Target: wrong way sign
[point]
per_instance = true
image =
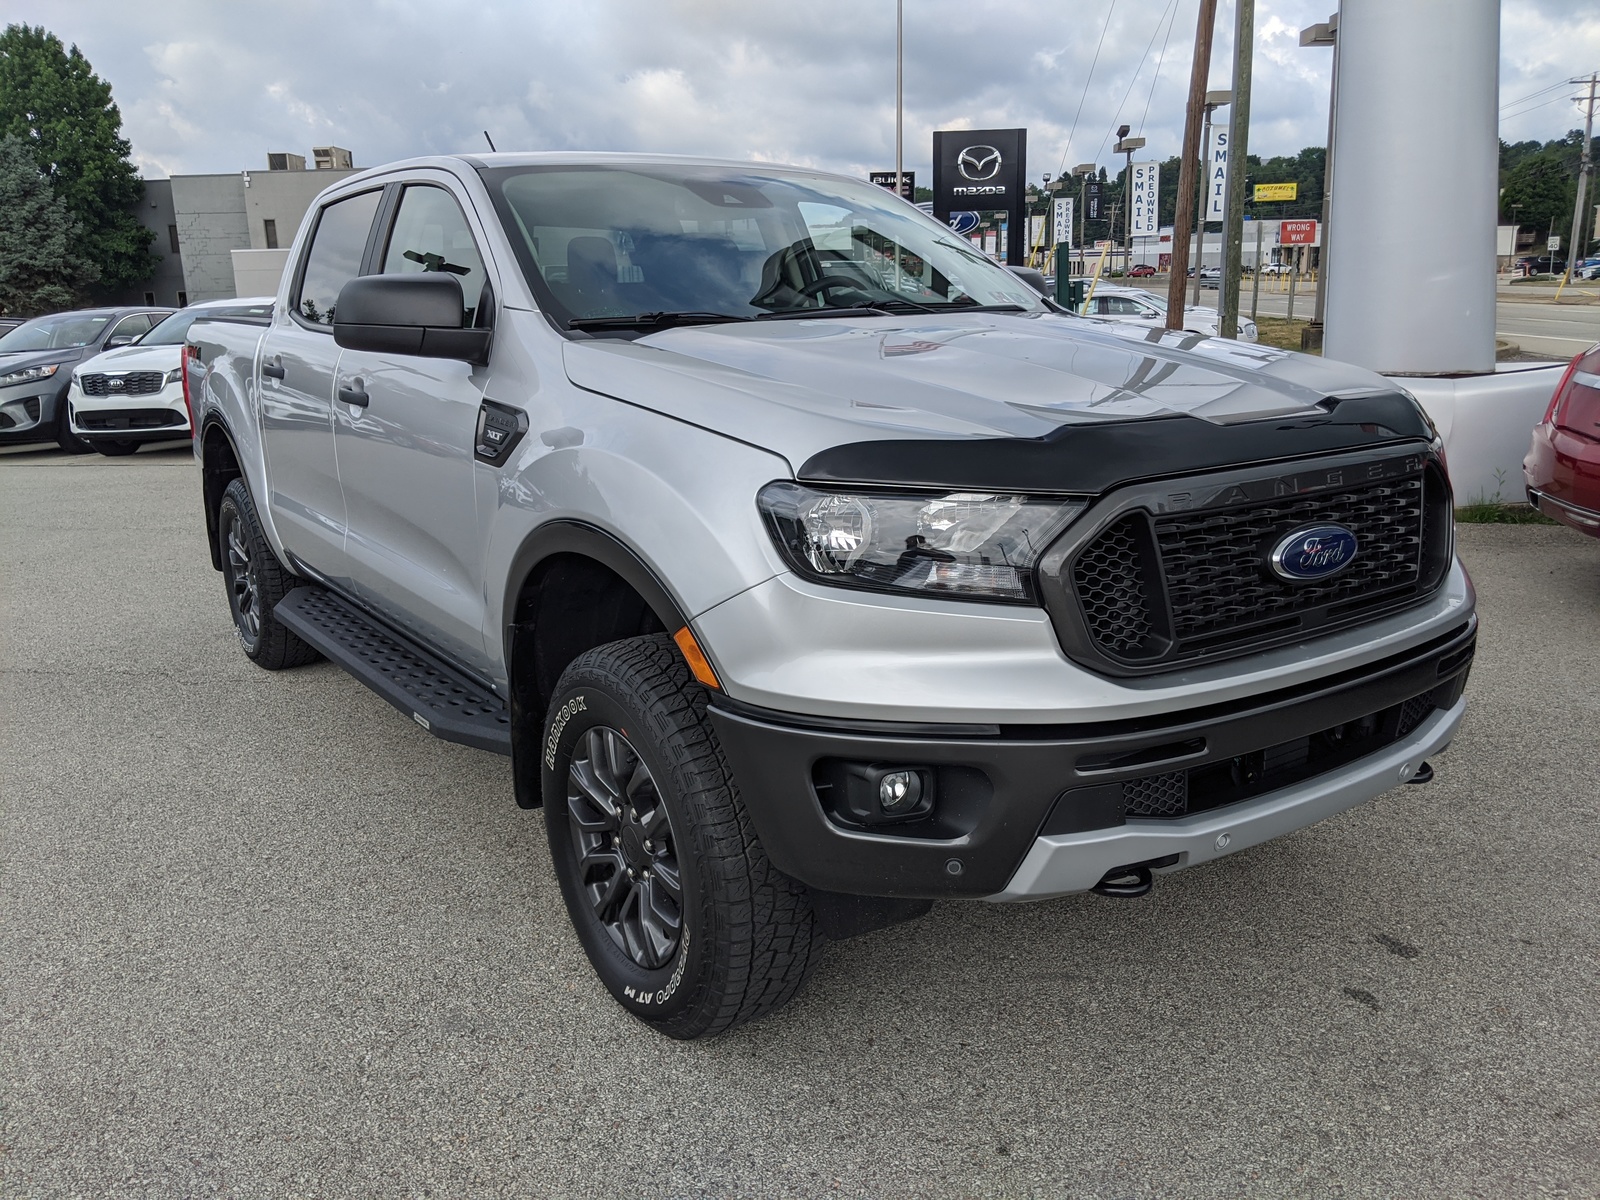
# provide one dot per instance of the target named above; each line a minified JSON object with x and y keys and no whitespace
{"x":1297,"y":233}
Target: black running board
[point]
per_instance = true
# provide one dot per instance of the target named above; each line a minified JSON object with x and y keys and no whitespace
{"x":433,"y":694}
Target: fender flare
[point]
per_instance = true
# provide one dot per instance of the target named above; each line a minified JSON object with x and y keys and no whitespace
{"x":214,"y":420}
{"x":527,"y":714}
{"x":590,"y":541}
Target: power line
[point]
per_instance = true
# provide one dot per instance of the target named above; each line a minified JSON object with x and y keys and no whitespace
{"x":1532,"y":95}
{"x":1067,"y":149}
{"x":1149,"y":46}
{"x":1160,"y":58}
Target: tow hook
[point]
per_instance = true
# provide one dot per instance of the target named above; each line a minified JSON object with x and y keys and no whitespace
{"x":1424,"y":774}
{"x":1133,"y":880}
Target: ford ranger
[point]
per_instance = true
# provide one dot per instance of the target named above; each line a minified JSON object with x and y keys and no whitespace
{"x":808,"y":566}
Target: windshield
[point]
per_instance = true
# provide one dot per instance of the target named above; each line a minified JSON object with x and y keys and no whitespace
{"x":734,"y":242}
{"x":61,"y":332}
{"x":175,"y":329}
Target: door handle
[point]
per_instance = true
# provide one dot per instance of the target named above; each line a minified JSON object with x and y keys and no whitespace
{"x":273,"y":368}
{"x":356,"y":395}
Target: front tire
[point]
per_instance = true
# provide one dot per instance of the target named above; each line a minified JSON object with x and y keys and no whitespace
{"x":685,"y":920}
{"x":256,"y":581}
{"x":69,"y":442}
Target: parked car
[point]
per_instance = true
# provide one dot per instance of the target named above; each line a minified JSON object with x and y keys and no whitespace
{"x":36,"y":361}
{"x":799,"y":602}
{"x":1277,"y":268}
{"x":1544,"y":264}
{"x":1141,"y":271}
{"x":1140,"y":307}
{"x":7,"y":324}
{"x":1562,"y":470}
{"x":124,"y":398}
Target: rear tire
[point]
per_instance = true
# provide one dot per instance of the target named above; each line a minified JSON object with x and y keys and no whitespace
{"x":256,"y":581}
{"x":685,"y":920}
{"x":117,"y":449}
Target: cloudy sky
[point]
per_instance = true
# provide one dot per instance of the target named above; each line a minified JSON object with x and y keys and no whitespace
{"x":210,"y":86}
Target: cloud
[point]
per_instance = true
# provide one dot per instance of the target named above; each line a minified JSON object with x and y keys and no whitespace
{"x":214,"y":87}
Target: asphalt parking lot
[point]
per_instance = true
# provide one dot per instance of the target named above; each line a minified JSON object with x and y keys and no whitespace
{"x":262,"y":936}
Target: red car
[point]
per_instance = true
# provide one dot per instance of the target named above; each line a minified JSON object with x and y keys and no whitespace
{"x":1563,"y":466}
{"x":1140,"y":270}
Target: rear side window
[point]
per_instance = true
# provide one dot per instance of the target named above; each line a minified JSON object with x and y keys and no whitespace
{"x":431,"y":235}
{"x":334,"y":256}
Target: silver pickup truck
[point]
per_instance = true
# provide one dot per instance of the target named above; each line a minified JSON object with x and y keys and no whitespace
{"x":809,"y":566}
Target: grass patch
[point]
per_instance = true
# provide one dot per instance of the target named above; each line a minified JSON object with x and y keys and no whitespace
{"x":1281,"y":332}
{"x":1490,"y":512}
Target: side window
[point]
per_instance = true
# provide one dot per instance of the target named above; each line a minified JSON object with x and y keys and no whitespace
{"x":431,"y":234}
{"x":334,"y":257}
{"x":129,"y":328}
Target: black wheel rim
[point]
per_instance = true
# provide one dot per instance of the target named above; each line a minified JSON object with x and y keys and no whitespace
{"x":243,"y":593}
{"x":622,"y":839}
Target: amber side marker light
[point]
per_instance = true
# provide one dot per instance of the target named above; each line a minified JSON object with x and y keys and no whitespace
{"x":699,"y":665}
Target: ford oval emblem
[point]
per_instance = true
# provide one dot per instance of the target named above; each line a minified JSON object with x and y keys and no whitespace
{"x":1312,"y":553}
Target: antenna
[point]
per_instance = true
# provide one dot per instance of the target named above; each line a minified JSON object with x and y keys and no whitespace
{"x":490,"y":140}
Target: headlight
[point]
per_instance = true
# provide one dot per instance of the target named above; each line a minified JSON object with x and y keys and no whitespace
{"x":173,"y":376}
{"x":29,"y":375}
{"x":977,"y":545}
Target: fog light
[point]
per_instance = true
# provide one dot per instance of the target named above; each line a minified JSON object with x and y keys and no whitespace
{"x":899,"y":790}
{"x":875,"y":793}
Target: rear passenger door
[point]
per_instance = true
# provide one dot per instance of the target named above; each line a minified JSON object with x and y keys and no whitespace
{"x":298,"y":358}
{"x":404,"y":428}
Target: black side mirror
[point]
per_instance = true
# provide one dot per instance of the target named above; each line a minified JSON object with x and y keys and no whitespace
{"x":408,"y":314}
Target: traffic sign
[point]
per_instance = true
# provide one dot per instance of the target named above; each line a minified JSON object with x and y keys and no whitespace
{"x":1553,"y":244}
{"x":1297,"y":233}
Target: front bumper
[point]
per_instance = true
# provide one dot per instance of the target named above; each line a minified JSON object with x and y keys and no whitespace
{"x":1026,"y":811}
{"x":28,"y":411}
{"x":158,"y":416}
{"x":1059,"y":864}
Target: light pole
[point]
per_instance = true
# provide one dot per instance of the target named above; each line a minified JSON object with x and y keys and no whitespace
{"x":1126,"y":146}
{"x":1214,"y":100}
{"x":899,"y":98}
{"x":1325,"y":36}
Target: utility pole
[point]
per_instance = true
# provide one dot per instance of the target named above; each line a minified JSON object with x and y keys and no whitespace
{"x":1199,"y":70}
{"x":1244,"y":34}
{"x":1580,"y":227}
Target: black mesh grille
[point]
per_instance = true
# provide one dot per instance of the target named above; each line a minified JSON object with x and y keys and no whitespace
{"x":1214,"y":562}
{"x":1414,"y":711}
{"x":128,"y":418}
{"x":1157,"y":795}
{"x":1163,"y":588}
{"x":134,"y":383}
{"x":1109,"y":580}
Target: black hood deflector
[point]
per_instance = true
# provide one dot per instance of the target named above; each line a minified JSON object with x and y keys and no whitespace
{"x":1093,"y":458}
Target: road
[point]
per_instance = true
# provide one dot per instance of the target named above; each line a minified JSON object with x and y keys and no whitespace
{"x":1535,"y":325}
{"x":264,"y":937}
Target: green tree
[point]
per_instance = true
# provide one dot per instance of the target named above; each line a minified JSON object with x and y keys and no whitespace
{"x":1541,"y":184}
{"x":62,"y":111}
{"x":40,"y":268}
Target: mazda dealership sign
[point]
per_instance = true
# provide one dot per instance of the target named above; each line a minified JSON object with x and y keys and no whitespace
{"x":981,"y":170}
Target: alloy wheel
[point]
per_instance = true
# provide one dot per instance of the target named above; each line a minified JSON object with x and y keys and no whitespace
{"x":622,"y":838}
{"x":243,"y":589}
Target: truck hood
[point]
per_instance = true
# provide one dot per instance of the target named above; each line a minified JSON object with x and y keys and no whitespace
{"x":134,"y":358}
{"x":798,"y":388}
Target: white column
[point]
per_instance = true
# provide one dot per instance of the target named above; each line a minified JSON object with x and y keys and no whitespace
{"x":1411,"y":270}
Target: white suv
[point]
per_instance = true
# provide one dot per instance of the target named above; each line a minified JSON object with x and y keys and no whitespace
{"x":126,"y":397}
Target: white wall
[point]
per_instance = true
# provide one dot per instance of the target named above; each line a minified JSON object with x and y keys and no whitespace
{"x":257,"y":272}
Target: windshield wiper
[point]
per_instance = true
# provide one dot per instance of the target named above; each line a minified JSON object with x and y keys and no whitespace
{"x":801,"y":314}
{"x":653,"y":320}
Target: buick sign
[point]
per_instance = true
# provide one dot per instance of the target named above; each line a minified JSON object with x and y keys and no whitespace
{"x":1313,"y":553}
